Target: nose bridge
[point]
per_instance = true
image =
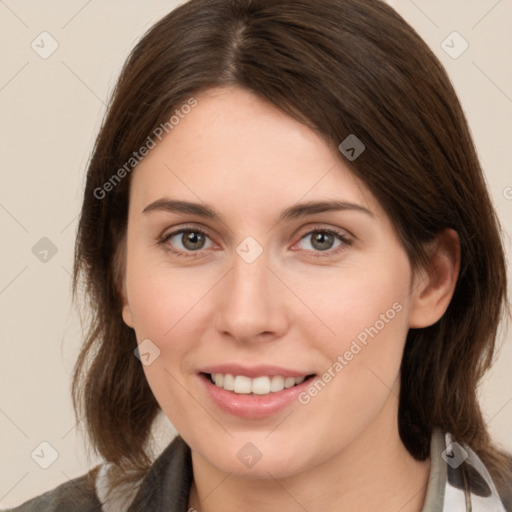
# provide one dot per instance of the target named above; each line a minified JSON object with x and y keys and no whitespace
{"x":248,"y":286}
{"x":251,"y":302}
{"x":249,"y":278}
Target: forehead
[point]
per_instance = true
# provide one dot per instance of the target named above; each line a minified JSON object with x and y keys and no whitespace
{"x":235,"y":150}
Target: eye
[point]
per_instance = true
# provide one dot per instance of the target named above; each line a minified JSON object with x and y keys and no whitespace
{"x":185,"y":241}
{"x":323,"y":240}
{"x":191,"y":241}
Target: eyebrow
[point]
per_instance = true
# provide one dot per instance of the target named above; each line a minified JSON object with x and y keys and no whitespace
{"x":294,"y":212}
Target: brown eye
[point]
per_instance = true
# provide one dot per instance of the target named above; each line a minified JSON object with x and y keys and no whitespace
{"x":192,"y":240}
{"x":186,"y":241}
{"x":324,"y":242}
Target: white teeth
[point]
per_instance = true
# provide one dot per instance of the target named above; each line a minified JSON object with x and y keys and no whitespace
{"x":259,"y":386}
{"x":229,"y":382}
{"x":289,"y":382}
{"x":277,"y":383}
{"x":242,"y":384}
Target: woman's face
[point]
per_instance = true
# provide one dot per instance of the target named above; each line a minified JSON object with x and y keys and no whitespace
{"x":264,"y":289}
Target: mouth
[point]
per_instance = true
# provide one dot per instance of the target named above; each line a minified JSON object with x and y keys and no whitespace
{"x":253,"y":398}
{"x":263,"y":385}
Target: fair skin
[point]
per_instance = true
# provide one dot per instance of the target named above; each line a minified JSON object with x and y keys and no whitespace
{"x":249,"y":161}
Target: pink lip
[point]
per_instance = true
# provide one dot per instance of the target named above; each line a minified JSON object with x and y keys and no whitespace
{"x":254,"y":371}
{"x":252,"y":406}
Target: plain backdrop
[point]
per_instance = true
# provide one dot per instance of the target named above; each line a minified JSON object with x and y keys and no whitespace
{"x":51,"y":110}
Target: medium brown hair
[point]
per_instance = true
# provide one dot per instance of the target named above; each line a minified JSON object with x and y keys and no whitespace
{"x":341,"y":67}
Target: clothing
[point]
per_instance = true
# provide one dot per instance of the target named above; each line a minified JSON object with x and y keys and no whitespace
{"x":456,"y":484}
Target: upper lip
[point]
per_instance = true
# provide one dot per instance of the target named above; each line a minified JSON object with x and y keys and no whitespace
{"x":254,"y":371}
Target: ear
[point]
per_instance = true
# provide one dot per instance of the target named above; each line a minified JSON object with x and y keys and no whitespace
{"x":127,"y":312}
{"x":433,"y":286}
{"x":119,"y":266}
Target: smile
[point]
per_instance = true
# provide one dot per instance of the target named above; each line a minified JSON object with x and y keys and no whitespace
{"x":253,"y":398}
{"x":264,"y":385}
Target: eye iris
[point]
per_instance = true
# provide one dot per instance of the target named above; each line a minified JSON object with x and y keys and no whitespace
{"x":320,"y":238}
{"x":191,"y":240}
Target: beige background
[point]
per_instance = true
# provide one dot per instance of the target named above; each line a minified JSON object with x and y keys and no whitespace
{"x":51,"y":111}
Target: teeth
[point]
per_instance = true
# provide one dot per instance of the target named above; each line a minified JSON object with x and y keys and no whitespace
{"x":259,"y":386}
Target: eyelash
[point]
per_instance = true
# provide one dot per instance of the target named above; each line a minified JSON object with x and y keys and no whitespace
{"x":316,"y":254}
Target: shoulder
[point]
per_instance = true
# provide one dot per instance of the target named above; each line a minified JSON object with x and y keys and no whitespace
{"x":166,"y":484}
{"x":77,"y":494}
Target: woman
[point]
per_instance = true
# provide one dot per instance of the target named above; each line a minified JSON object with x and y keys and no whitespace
{"x":289,"y":249}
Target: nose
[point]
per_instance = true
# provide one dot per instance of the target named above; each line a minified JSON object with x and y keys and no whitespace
{"x":252,"y":302}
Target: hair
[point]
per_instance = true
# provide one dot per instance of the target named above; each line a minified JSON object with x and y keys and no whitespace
{"x":340,"y":67}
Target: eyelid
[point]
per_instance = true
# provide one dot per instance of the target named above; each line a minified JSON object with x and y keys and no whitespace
{"x":167,"y":233}
{"x":342,"y":233}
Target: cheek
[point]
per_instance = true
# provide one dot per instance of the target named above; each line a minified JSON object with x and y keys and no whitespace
{"x":164,"y":306}
{"x":364,"y":304}
{"x":368,"y":313}
{"x":161,"y":298}
{"x":168,"y":308}
{"x":367,"y":310}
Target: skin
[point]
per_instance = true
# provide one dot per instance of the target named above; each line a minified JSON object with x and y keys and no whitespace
{"x":249,"y":161}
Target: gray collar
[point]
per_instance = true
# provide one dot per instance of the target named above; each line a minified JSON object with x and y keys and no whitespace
{"x":458,"y":481}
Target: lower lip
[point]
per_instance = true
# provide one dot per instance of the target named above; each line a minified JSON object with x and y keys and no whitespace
{"x":250,"y":406}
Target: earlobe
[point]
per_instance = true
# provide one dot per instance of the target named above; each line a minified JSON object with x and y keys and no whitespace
{"x":120,"y":280}
{"x":434,"y":286}
{"x":127,"y":315}
{"x":127,"y":311}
